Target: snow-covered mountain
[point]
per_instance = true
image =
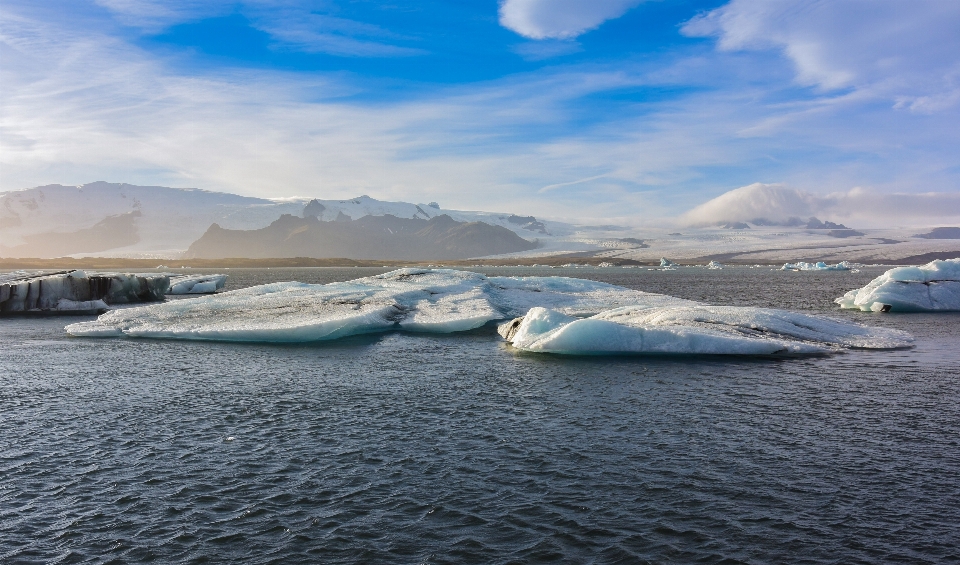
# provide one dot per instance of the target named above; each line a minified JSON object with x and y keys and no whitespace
{"x":130,"y":220}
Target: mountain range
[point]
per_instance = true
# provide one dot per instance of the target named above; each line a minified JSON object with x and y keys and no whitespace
{"x":369,"y":237}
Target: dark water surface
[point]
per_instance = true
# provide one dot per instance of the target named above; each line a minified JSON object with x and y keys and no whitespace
{"x":405,"y":448}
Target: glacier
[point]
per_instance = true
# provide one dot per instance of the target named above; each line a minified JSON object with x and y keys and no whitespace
{"x":550,"y":314}
{"x":196,"y":284}
{"x":818,"y":266}
{"x":63,"y":291}
{"x":934,"y":287}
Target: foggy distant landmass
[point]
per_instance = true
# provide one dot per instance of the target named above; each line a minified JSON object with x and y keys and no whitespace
{"x":369,"y":237}
{"x":941,"y":233}
{"x":129,"y":220}
{"x":109,"y":233}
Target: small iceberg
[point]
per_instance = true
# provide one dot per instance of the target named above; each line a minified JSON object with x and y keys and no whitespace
{"x":692,"y":330}
{"x":196,"y":284}
{"x":934,"y":287}
{"x":666,"y":263}
{"x":819,"y":266}
{"x":550,"y":314}
{"x":714,"y":265}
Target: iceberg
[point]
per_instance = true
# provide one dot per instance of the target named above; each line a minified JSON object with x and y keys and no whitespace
{"x":934,"y":287}
{"x":196,"y":284}
{"x":693,"y":330}
{"x":552,"y":314}
{"x":818,"y":266}
{"x":76,"y":290}
{"x":666,"y":263}
{"x":423,"y":300}
{"x":714,"y":265}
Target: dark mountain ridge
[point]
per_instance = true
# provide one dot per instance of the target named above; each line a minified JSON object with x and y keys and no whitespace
{"x":369,"y":237}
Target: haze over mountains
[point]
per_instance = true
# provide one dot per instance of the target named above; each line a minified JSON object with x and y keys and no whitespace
{"x":369,"y":237}
{"x":122,"y":220}
{"x":135,"y":221}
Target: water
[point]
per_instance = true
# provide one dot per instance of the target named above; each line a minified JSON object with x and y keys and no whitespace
{"x":406,"y":448}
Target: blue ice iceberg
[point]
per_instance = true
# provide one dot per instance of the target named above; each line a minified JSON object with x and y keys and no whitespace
{"x":934,"y":287}
{"x":554,"y":314}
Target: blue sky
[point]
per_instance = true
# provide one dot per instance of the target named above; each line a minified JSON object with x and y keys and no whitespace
{"x":609,"y":109}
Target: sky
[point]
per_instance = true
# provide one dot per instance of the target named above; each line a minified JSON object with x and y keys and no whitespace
{"x":622,"y":110}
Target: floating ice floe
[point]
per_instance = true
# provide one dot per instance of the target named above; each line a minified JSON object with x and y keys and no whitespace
{"x":929,"y":288}
{"x":714,"y":265}
{"x":697,"y":329}
{"x":77,"y":291}
{"x":819,"y":266}
{"x":667,"y":263}
{"x":196,"y":284}
{"x":559,"y":315}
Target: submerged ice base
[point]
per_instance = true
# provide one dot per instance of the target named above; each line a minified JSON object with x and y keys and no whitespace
{"x":934,"y":287}
{"x":560,"y":315}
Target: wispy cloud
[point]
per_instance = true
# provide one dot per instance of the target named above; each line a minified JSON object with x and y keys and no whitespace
{"x":897,"y":50}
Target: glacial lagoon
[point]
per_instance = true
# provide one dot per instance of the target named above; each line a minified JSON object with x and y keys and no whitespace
{"x":404,"y":447}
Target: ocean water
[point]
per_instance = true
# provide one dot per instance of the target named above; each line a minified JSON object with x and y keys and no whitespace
{"x":406,"y":448}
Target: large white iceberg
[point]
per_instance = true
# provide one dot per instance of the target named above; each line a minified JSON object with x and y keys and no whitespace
{"x":931,"y":287}
{"x":196,"y":284}
{"x":818,"y":266}
{"x":432,"y":300}
{"x":698,"y":329}
{"x":441,"y":300}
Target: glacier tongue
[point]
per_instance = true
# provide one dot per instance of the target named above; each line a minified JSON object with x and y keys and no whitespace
{"x":930,"y":288}
{"x":560,"y":315}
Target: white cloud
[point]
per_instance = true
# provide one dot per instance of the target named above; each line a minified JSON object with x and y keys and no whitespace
{"x":778,"y":204}
{"x":903,"y":51}
{"x":559,"y":19}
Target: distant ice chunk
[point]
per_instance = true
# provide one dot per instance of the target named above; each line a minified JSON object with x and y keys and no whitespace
{"x":422,"y":300}
{"x":692,"y":330}
{"x":196,"y":284}
{"x":714,"y":265}
{"x":934,"y":287}
{"x":818,"y":266}
{"x":664,"y":262}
